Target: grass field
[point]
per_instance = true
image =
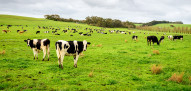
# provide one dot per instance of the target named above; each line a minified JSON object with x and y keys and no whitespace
{"x":114,"y":65}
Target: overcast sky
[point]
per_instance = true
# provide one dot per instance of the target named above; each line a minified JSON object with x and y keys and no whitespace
{"x":131,"y":10}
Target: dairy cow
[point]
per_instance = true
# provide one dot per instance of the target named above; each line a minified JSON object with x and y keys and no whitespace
{"x":39,"y":44}
{"x":70,"y":48}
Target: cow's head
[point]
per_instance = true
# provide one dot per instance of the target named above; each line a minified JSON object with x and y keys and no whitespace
{"x":85,"y":43}
{"x":27,"y":41}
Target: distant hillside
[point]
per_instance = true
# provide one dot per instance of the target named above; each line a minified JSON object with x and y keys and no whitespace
{"x":21,"y":20}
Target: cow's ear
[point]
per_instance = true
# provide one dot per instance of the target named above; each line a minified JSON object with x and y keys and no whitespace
{"x":25,"y":40}
{"x":88,"y":43}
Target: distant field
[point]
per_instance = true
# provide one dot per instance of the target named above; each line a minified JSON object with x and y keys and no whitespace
{"x":176,"y":25}
{"x":115,"y":60}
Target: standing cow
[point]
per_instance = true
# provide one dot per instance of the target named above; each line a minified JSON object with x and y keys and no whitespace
{"x":70,"y":47}
{"x":153,"y":39}
{"x":38,"y":44}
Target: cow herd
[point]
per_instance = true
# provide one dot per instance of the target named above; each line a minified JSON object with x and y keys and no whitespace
{"x":74,"y":48}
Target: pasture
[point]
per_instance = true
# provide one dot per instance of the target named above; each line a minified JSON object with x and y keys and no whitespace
{"x":111,"y":62}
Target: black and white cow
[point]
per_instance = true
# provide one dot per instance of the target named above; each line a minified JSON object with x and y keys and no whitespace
{"x":70,"y":48}
{"x":37,"y":32}
{"x":134,"y":37}
{"x":161,"y":38}
{"x":152,"y":39}
{"x":170,"y":37}
{"x":39,"y":44}
{"x":178,"y":37}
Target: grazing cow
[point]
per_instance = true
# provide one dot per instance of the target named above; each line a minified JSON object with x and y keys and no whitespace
{"x":64,"y":31}
{"x":70,"y":47}
{"x":170,"y":37}
{"x":38,"y":44}
{"x":18,"y":31}
{"x":46,"y":31}
{"x":134,"y":37}
{"x":152,"y":39}
{"x":37,"y":32}
{"x":4,"y":31}
{"x":57,"y":34}
{"x":80,"y":33}
{"x":161,"y":39}
{"x":178,"y":37}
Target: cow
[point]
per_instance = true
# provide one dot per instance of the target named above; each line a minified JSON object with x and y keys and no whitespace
{"x":4,"y":31}
{"x":21,"y":32}
{"x":161,"y":39}
{"x":70,"y":48}
{"x":152,"y":39}
{"x":80,"y":33}
{"x":134,"y":37}
{"x":37,"y":32}
{"x":170,"y":37}
{"x":18,"y":31}
{"x":178,"y":37}
{"x":39,"y":44}
{"x":64,"y":31}
{"x":46,"y":31}
{"x":57,"y":34}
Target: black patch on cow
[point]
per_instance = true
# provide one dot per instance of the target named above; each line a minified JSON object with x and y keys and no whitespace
{"x":80,"y":46}
{"x":59,"y":45}
{"x":38,"y":44}
{"x":71,"y":49}
{"x":46,"y":42}
{"x":88,"y":43}
{"x":65,"y":46}
{"x":31,"y":44}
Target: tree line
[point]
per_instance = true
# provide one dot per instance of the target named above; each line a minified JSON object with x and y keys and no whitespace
{"x":160,"y":22}
{"x":95,"y":21}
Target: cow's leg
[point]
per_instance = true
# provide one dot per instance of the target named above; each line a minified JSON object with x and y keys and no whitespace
{"x":48,"y":51}
{"x":59,"y":58}
{"x":44,"y":52}
{"x":62,"y":58}
{"x":75,"y":60}
{"x":35,"y":53}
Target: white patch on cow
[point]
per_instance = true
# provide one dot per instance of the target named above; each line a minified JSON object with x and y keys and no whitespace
{"x":35,"y":52}
{"x":170,"y":37}
{"x":35,"y":41}
{"x":75,"y":45}
{"x":28,"y":42}
{"x":85,"y":45}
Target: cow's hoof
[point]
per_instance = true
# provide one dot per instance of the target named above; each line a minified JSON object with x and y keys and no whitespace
{"x":75,"y":66}
{"x":42,"y":59}
{"x":48,"y":59}
{"x":61,"y":67}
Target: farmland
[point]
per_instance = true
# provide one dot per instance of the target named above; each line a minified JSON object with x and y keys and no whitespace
{"x":111,"y":62}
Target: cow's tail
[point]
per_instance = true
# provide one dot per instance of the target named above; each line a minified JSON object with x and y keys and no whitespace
{"x":58,"y":49}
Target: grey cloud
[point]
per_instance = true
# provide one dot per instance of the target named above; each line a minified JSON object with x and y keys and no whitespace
{"x":131,"y":10}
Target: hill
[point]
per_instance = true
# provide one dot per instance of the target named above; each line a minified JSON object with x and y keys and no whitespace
{"x":113,"y":61}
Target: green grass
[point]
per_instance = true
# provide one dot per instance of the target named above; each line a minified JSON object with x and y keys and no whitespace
{"x":116,"y":65}
{"x":175,"y":25}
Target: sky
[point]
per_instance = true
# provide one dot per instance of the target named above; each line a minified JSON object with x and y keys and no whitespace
{"x":125,"y":10}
